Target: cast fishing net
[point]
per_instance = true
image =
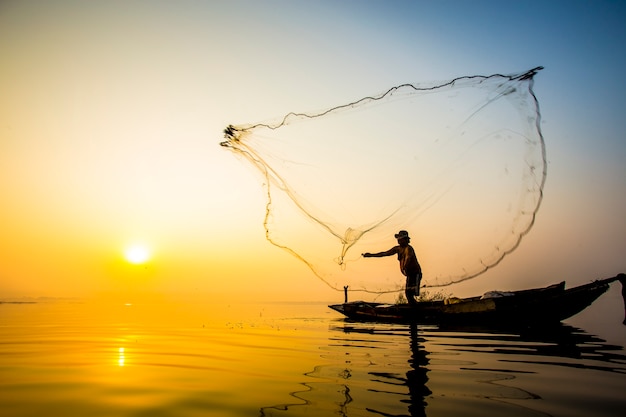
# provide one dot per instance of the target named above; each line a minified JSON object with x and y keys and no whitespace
{"x":459,"y":164}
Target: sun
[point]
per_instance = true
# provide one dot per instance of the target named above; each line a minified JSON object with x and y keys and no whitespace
{"x":137,"y":254}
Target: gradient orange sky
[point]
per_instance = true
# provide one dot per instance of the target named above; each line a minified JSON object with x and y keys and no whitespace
{"x":111,"y":114}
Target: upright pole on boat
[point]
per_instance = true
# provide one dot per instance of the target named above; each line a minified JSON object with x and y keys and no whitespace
{"x":345,"y":294}
{"x":622,"y":280}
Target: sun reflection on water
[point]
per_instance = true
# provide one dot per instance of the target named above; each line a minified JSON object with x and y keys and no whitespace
{"x":121,"y":360}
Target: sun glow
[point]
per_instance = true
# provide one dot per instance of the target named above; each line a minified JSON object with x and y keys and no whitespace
{"x":137,"y":254}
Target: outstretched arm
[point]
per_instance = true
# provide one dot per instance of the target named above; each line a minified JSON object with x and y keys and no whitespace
{"x":389,"y":252}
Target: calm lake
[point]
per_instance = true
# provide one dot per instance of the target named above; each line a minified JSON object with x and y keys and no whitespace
{"x":84,"y":358}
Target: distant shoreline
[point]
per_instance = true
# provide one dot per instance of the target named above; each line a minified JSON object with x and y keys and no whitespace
{"x":18,"y":302}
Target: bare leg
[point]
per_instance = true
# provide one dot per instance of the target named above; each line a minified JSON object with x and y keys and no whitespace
{"x":412,"y":288}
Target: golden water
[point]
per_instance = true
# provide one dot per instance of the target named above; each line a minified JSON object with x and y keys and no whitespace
{"x":174,"y":359}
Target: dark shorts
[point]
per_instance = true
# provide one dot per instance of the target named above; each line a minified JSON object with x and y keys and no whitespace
{"x":413,"y":279}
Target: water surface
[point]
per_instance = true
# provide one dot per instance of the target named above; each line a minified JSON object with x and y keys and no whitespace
{"x":291,"y":359}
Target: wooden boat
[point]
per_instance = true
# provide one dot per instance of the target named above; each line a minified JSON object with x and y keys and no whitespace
{"x":535,"y":306}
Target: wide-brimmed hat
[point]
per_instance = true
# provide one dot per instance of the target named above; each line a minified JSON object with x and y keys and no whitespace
{"x":402,"y":234}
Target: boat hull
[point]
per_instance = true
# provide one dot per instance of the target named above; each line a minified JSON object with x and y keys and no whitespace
{"x":536,"y":306}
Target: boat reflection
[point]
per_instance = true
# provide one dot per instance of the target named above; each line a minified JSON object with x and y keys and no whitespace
{"x":555,"y":341}
{"x":400,"y":370}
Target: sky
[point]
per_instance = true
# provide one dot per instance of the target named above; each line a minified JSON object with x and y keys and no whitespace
{"x":111,"y":115}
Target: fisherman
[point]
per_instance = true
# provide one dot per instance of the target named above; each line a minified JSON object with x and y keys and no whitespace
{"x":409,"y":265}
